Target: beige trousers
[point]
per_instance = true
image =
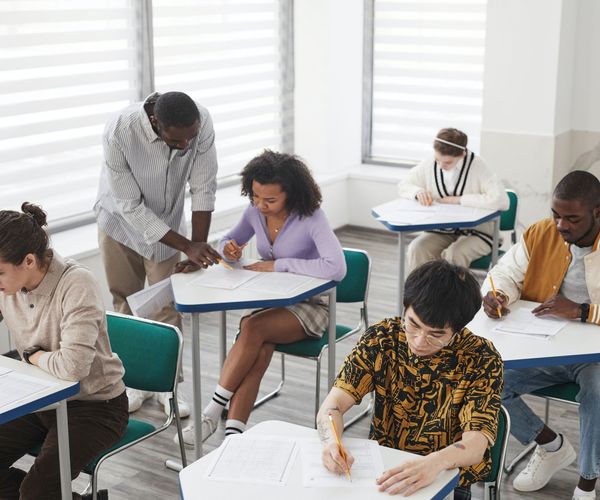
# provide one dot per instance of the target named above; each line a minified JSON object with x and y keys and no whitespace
{"x":127,"y":271}
{"x":459,"y":250}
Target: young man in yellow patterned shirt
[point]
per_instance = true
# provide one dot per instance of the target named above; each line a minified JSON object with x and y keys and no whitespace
{"x":437,"y":386}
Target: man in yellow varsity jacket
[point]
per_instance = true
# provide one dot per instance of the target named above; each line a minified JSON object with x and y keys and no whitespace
{"x":557,"y":263}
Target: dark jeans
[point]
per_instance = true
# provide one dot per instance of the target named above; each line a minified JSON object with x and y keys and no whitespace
{"x":93,"y":427}
{"x":462,"y":493}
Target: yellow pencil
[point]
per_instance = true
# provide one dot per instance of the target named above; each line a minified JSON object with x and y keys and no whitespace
{"x":341,"y":448}
{"x":225,"y":264}
{"x":499,"y":309}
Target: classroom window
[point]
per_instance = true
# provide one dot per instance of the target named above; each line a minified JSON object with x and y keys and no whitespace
{"x":67,"y":66}
{"x":424,"y":62}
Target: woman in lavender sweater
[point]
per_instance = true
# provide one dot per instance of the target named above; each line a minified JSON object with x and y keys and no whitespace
{"x":292,"y":235}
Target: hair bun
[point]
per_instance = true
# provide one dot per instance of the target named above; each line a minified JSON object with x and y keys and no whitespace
{"x":35,"y":212}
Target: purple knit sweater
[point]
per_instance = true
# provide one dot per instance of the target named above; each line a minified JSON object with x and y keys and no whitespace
{"x":304,"y":245}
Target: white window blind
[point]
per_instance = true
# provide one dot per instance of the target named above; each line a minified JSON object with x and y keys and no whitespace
{"x":428,"y":58}
{"x":231,"y":57}
{"x":65,"y":67}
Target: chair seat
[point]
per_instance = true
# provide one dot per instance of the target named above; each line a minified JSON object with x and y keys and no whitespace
{"x":485,"y":262}
{"x":567,"y":391}
{"x":135,"y":429}
{"x":311,"y":348}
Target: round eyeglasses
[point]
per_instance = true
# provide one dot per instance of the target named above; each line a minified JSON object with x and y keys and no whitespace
{"x":432,"y":340}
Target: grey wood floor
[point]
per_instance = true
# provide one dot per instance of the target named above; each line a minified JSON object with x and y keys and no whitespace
{"x":139,"y":473}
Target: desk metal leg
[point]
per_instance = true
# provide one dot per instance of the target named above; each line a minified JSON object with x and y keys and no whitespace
{"x":196,"y":385}
{"x":223,"y":337}
{"x":332,"y":330}
{"x":402,"y":264}
{"x":496,"y":240}
{"x":63,"y":451}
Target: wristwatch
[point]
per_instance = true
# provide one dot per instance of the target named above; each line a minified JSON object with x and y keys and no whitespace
{"x":30,"y":351}
{"x":585,"y":310}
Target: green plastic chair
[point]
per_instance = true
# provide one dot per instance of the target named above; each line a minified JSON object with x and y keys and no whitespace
{"x":563,"y":393}
{"x":508,"y":220}
{"x":352,"y":289}
{"x":493,"y":482}
{"x":151,"y":354}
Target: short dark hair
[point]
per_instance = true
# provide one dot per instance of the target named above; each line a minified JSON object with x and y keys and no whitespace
{"x":290,"y":172}
{"x":176,"y":109}
{"x":579,"y":185}
{"x":454,"y":136}
{"x":22,"y":233}
{"x":442,"y":295}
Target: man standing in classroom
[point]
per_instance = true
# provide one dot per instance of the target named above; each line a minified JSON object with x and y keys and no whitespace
{"x":152,"y":150}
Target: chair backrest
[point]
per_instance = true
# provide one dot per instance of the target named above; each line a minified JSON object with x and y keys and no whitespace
{"x":498,"y":451}
{"x":354,"y":286}
{"x":150,"y":351}
{"x":508,"y":218}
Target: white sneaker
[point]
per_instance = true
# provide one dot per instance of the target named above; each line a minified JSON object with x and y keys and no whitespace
{"x":136,"y":398}
{"x":585,"y":495}
{"x":184,"y":407}
{"x":543,"y":465}
{"x":209,"y":426}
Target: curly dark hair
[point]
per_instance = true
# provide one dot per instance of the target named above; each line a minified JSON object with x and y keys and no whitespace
{"x":290,"y":172}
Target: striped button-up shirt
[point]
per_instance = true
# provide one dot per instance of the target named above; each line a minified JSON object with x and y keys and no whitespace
{"x":142,"y":183}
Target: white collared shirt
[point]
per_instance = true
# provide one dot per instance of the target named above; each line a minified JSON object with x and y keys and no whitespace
{"x":142,"y":183}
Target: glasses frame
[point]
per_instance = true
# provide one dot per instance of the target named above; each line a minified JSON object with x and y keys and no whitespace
{"x":431,"y":340}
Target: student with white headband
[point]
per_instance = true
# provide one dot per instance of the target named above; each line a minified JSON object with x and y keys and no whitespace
{"x":454,"y":175}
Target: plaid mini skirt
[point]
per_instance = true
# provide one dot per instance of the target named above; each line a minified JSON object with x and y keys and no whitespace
{"x":313,"y":315}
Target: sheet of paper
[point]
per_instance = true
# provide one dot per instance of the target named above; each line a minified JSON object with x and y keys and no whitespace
{"x":367,"y":466}
{"x":281,"y":283}
{"x":149,"y":301}
{"x":15,"y":387}
{"x":411,"y":212}
{"x":4,"y":370}
{"x":254,"y":459}
{"x":221,"y":277}
{"x":522,"y":322}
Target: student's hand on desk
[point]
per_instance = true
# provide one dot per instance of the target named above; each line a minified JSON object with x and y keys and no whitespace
{"x":411,"y":476}
{"x":186,"y":266}
{"x":450,"y":200}
{"x":232,"y":251}
{"x":490,"y":304}
{"x":332,"y":458}
{"x":35,"y":357}
{"x":424,"y":198}
{"x":558,"y":306}
{"x":265,"y":266}
{"x":202,"y":254}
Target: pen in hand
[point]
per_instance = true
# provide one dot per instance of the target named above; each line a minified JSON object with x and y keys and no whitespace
{"x":498,"y":308}
{"x":340,"y":447}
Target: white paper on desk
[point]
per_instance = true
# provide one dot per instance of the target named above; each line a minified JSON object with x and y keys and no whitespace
{"x":521,"y":321}
{"x":276,"y":282}
{"x":149,"y":301}
{"x":15,"y":387}
{"x":221,"y":277}
{"x":254,"y":459}
{"x":367,"y":465}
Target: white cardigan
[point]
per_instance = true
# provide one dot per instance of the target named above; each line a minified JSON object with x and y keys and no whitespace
{"x":483,"y":188}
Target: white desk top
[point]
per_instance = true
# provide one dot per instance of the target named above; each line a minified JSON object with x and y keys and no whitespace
{"x":61,"y":389}
{"x":441,"y":217}
{"x":575,"y":343}
{"x":190,"y":297}
{"x":195,"y":486}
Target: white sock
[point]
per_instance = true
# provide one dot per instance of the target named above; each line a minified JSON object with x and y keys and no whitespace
{"x":553,"y":445}
{"x":218,"y":403}
{"x":580,"y":493}
{"x":234,"y":427}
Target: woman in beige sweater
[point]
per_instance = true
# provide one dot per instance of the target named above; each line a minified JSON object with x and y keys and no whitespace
{"x":56,"y":319}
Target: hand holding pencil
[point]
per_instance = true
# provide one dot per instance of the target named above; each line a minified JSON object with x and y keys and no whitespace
{"x":494,"y":302}
{"x":335,"y":457}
